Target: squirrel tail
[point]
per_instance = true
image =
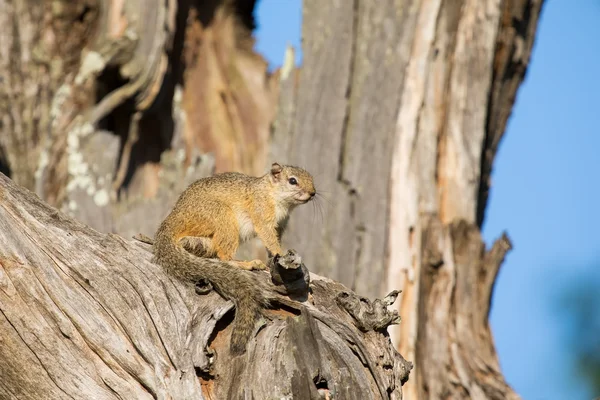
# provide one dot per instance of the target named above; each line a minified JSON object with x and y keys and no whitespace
{"x":230,"y":282}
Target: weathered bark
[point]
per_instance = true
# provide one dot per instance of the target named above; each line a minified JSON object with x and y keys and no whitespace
{"x":86,"y":315}
{"x":399,"y":108}
{"x":142,"y":80}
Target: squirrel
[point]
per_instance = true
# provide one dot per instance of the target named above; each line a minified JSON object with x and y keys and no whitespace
{"x":210,"y":219}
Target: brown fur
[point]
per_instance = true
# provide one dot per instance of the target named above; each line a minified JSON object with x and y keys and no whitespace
{"x":210,"y":219}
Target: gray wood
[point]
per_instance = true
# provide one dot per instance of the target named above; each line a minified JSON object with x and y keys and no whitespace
{"x":343,"y":139}
{"x":87,"y":315}
{"x":50,"y":72}
{"x":398,"y":110}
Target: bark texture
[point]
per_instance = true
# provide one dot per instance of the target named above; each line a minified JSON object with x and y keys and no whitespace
{"x":399,"y":108}
{"x":156,"y":85}
{"x":85,"y":315}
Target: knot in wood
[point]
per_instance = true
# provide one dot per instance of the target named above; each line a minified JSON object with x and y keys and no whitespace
{"x":370,"y":315}
{"x":288,"y":272}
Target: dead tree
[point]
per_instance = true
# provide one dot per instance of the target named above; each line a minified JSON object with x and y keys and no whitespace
{"x":110,"y":108}
{"x":86,"y":315}
{"x":399,"y":108}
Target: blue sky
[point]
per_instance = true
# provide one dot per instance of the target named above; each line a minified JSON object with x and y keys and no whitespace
{"x":545,"y":190}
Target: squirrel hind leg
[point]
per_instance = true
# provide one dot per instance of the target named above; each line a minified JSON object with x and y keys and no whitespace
{"x":225,"y":240}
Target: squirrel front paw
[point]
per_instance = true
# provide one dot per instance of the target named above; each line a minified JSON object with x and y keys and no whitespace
{"x":250,"y":265}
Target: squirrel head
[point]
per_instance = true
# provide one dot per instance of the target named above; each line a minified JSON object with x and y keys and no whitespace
{"x":293,"y":185}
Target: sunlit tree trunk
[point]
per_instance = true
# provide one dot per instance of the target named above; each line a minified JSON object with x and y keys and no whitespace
{"x":399,"y":108}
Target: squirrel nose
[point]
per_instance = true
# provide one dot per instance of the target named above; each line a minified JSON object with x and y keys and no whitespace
{"x":312,"y":194}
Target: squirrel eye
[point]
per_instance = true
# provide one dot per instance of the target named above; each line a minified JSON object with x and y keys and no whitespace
{"x":293,"y":181}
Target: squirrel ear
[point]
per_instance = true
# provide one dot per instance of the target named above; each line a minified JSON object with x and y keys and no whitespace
{"x":275,"y":169}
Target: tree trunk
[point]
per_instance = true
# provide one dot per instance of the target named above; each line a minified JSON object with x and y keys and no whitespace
{"x":86,"y":315}
{"x":398,"y":111}
{"x":155,"y":84}
{"x":399,"y":108}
